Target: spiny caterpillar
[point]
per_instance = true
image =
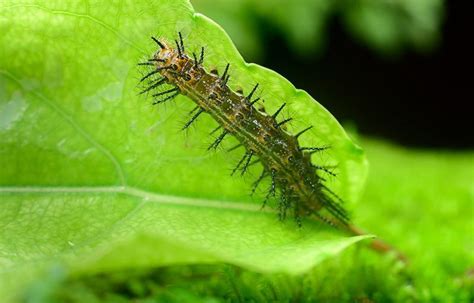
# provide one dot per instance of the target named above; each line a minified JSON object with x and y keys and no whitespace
{"x":298,"y":182}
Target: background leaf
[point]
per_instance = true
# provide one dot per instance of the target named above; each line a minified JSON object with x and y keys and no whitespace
{"x":387,"y":27}
{"x":94,"y":177}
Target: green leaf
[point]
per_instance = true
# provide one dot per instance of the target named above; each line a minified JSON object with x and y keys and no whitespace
{"x":96,"y":178}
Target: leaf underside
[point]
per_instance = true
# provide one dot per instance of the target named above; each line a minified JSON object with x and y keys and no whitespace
{"x":95,"y":178}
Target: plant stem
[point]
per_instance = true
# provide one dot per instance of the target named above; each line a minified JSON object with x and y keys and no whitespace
{"x":377,"y":245}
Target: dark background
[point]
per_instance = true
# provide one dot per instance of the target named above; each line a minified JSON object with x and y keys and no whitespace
{"x":418,"y":100}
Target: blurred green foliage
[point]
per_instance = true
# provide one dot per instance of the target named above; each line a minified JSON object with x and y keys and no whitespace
{"x":388,"y":27}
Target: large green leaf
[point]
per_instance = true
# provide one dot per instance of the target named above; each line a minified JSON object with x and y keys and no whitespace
{"x":96,"y":178}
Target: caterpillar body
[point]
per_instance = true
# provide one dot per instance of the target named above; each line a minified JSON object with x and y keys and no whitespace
{"x":298,"y":182}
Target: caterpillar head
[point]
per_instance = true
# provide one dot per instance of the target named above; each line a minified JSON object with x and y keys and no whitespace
{"x":166,"y":55}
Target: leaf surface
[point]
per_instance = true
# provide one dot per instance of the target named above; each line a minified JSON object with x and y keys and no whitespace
{"x":94,"y":177}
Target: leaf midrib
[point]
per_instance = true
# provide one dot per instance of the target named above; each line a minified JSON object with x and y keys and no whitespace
{"x":133,"y":192}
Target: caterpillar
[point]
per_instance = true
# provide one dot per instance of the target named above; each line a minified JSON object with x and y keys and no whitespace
{"x":298,"y":182}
